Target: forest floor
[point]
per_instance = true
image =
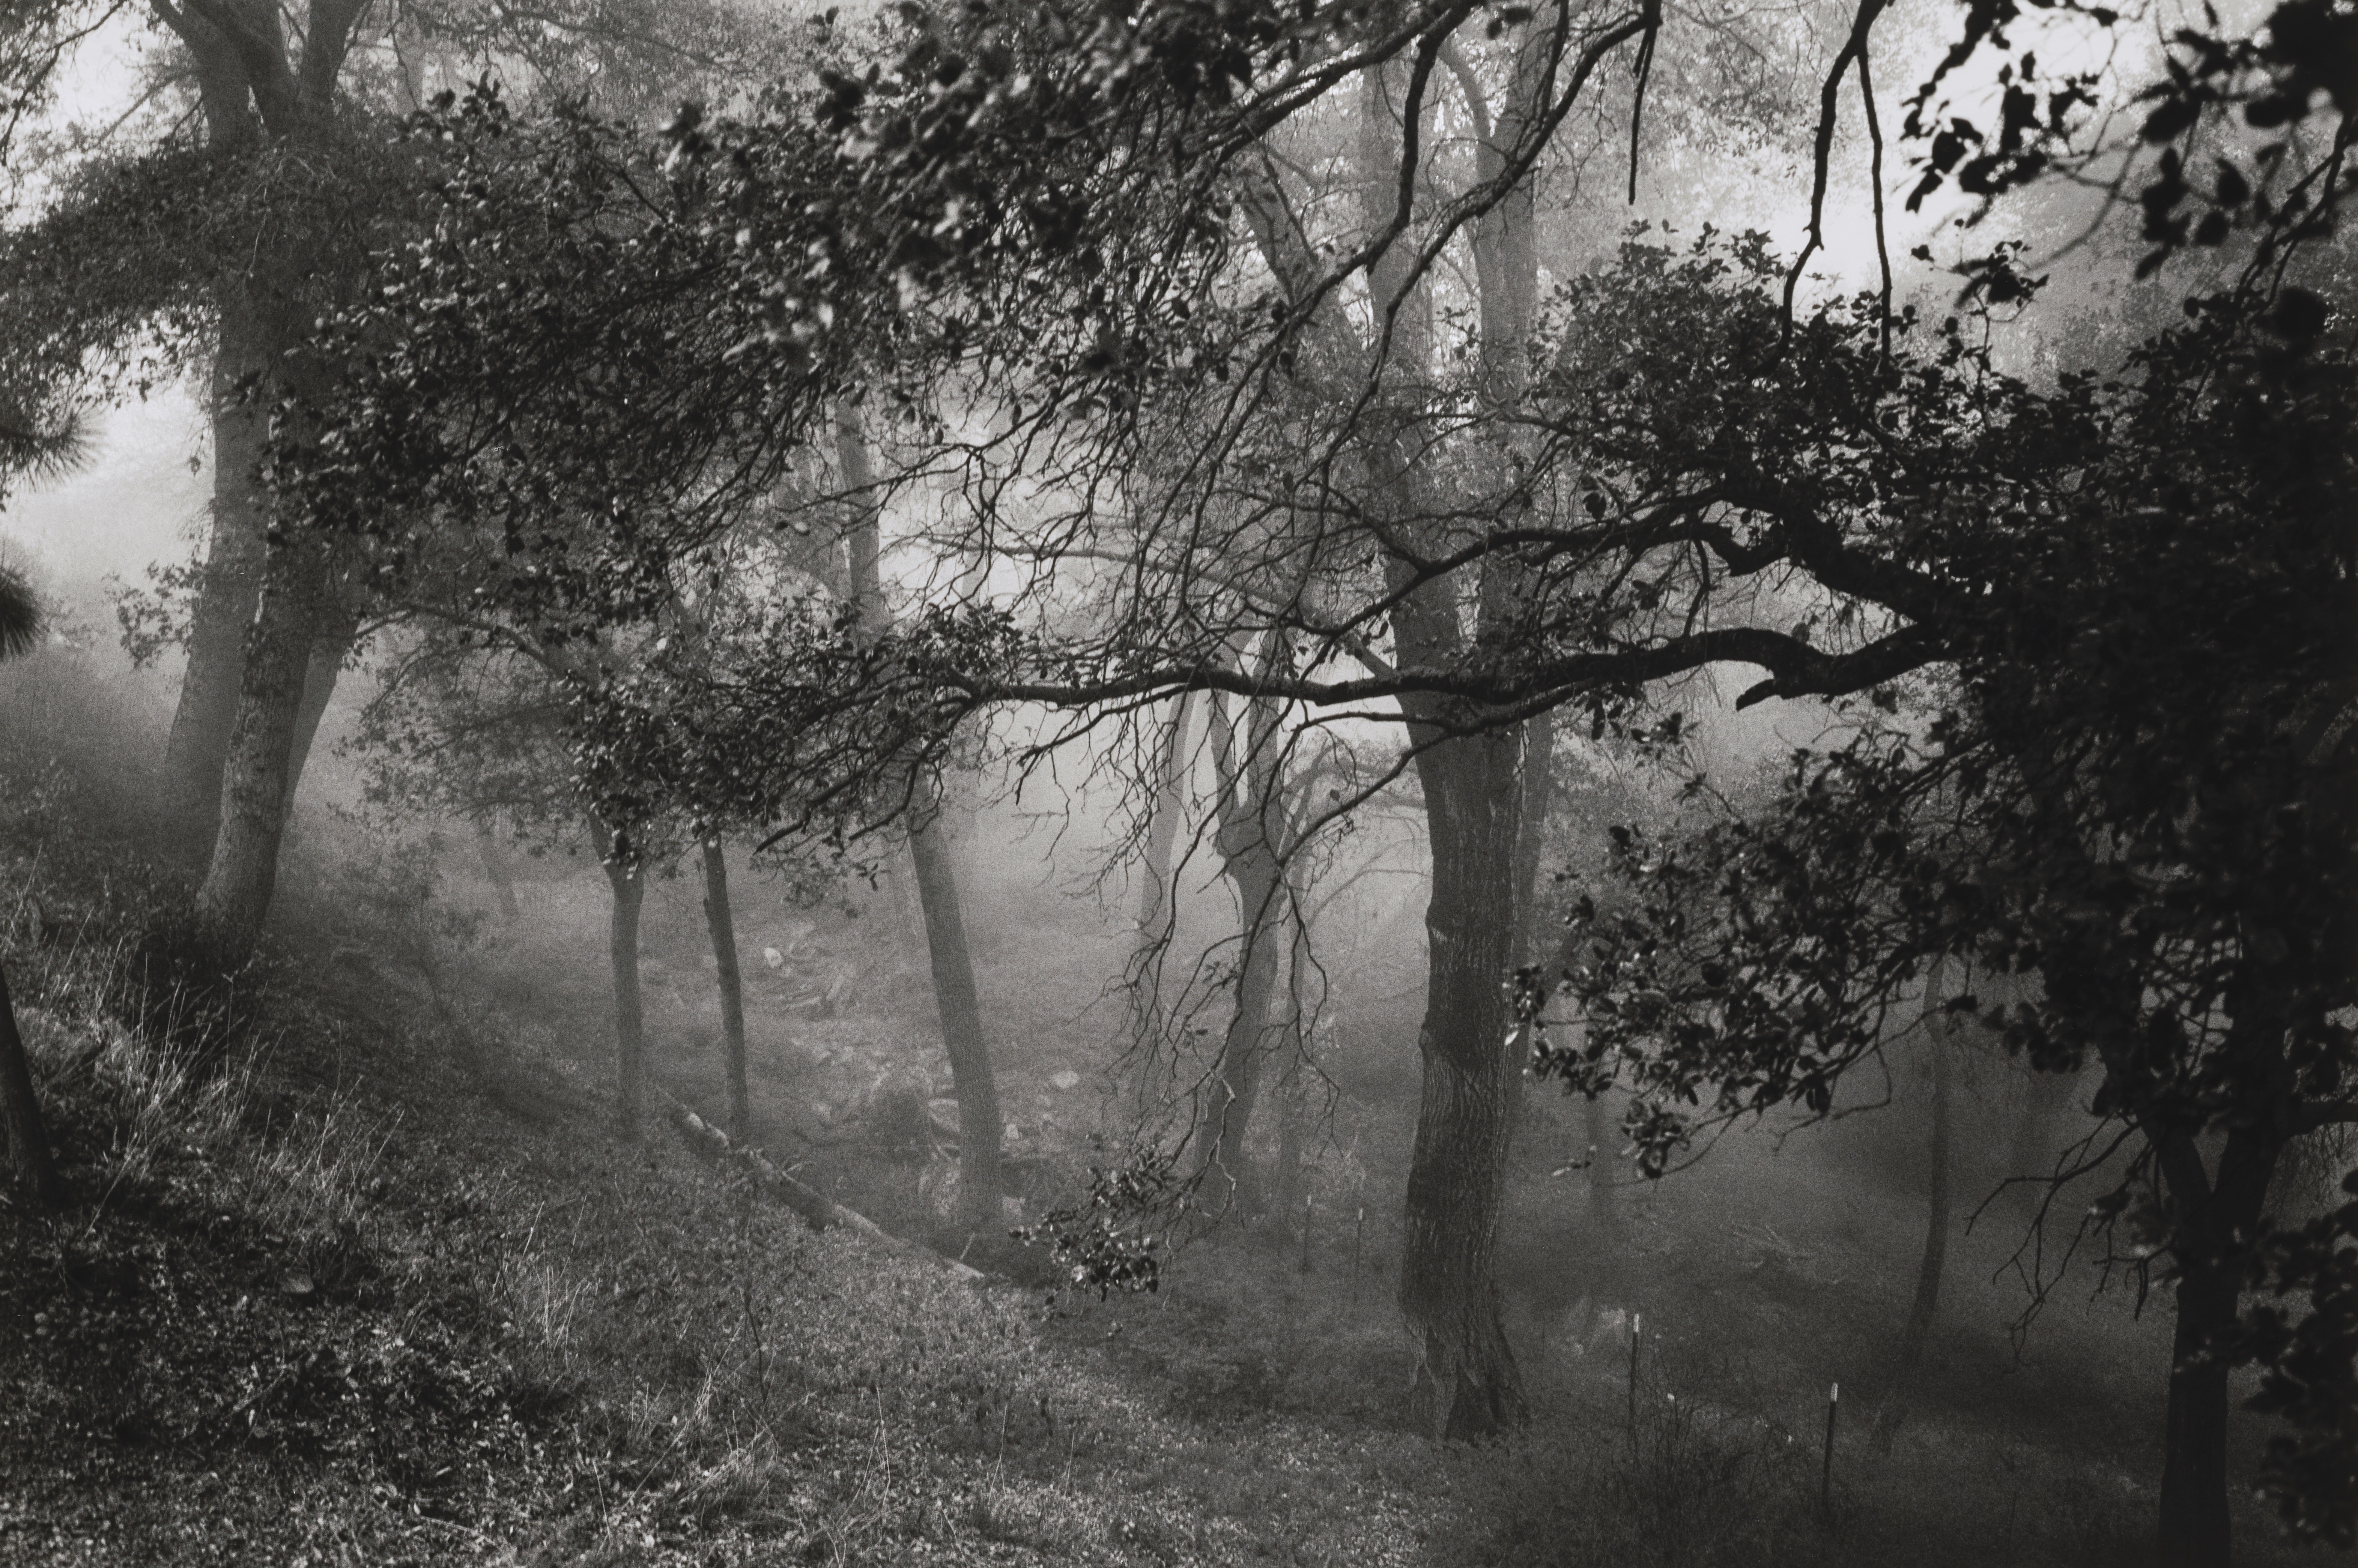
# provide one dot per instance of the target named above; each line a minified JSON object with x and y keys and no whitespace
{"x":380,"y":1284}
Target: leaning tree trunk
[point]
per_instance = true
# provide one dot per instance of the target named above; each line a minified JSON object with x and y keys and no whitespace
{"x":1466,"y":1379}
{"x":1936,"y":1219}
{"x":722,"y":921}
{"x":330,"y":642}
{"x":2217,"y":1217}
{"x":626,"y":878}
{"x":227,"y":591}
{"x":256,"y":784}
{"x":961,"y":1014}
{"x":20,"y":1114}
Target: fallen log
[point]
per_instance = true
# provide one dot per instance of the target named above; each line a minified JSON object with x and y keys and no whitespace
{"x":817,"y":1210}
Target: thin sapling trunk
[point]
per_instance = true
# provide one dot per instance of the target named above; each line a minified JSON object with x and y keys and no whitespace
{"x":626,"y":879}
{"x":723,"y":924}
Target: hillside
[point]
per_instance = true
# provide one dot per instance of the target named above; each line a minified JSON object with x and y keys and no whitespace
{"x":356,"y":1270}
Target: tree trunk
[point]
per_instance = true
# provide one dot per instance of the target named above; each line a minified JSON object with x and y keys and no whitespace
{"x":961,"y":1014}
{"x":719,"y":916}
{"x":626,"y":877}
{"x":1467,"y":1383}
{"x":1236,"y":1087}
{"x":2216,"y":1219}
{"x":1286,"y":1185}
{"x":336,"y":624}
{"x":937,"y":896}
{"x":227,"y":592}
{"x":1292,"y":1088}
{"x":1598,"y":1128}
{"x":1251,"y":811}
{"x":1158,"y":898}
{"x":2195,"y":1527}
{"x":1531,"y":847}
{"x":1531,"y":837}
{"x":497,"y":871}
{"x":1936,"y":1219}
{"x":28,"y":1140}
{"x":255,"y":783}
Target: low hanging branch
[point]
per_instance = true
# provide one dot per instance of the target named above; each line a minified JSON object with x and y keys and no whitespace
{"x":816,"y":1208}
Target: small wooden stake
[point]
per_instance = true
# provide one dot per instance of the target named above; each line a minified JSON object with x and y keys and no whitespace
{"x":1826,"y":1473}
{"x":1307,"y":1200}
{"x":1358,"y":1234}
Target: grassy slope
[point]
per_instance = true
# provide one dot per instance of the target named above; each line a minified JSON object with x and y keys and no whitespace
{"x":383,"y":1288}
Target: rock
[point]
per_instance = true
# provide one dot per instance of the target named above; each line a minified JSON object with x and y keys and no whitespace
{"x":774,"y":958}
{"x":1067,"y":1078}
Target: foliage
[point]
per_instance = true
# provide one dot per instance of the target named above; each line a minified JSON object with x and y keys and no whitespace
{"x":20,"y":615}
{"x":1101,"y":1244}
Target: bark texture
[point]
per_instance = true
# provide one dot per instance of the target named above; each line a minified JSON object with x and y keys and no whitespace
{"x":258,"y":777}
{"x":1467,"y":1383}
{"x":228,"y":591}
{"x":254,"y":86}
{"x":27,"y":1139}
{"x":1466,"y":1379}
{"x":723,"y":922}
{"x":332,"y":641}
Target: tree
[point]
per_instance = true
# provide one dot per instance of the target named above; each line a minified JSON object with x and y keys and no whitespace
{"x":2148,"y":740}
{"x":473,"y":722}
{"x":292,"y":185}
{"x":979,"y":1186}
{"x":1255,"y":836}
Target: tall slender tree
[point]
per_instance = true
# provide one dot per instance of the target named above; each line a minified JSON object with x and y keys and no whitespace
{"x":956,"y":997}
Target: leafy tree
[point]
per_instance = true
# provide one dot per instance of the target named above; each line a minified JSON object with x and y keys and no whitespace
{"x":2138,"y":786}
{"x":221,"y":255}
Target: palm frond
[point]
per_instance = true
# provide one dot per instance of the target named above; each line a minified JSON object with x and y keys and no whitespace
{"x":42,"y":452}
{"x":20,"y":615}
